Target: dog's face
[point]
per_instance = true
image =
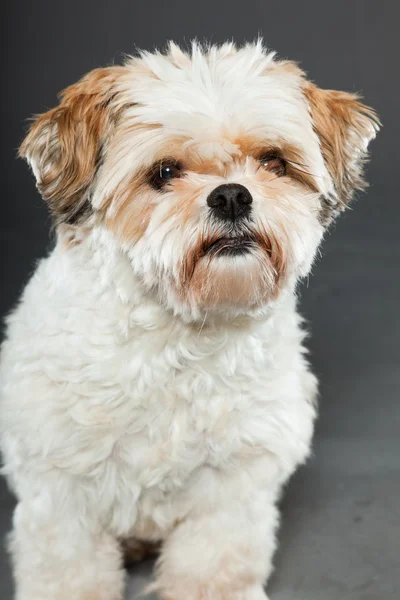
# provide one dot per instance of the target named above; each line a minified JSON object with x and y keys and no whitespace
{"x":216,"y":171}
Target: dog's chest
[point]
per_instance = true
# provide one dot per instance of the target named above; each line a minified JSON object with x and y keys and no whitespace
{"x":168,"y":406}
{"x":186,"y":410}
{"x":160,"y":416}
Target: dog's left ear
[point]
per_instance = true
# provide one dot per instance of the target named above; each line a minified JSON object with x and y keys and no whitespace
{"x":65,"y":145}
{"x":345,"y":127}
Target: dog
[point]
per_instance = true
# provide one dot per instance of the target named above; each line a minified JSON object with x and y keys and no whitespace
{"x":155,"y":387}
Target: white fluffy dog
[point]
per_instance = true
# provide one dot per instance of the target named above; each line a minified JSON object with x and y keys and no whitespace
{"x":153,"y":380}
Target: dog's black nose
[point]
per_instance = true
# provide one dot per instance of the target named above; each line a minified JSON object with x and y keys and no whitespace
{"x":230,"y":201}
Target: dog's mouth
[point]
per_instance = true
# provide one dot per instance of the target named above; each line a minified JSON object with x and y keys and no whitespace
{"x":230,"y":246}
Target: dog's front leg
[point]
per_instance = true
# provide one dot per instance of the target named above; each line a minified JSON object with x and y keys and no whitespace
{"x":56,"y":558}
{"x":222,"y":549}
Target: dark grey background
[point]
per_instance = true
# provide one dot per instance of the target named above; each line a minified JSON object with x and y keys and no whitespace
{"x":340,"y":538}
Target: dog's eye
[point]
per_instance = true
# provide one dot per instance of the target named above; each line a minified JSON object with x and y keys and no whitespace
{"x":274,"y":163}
{"x":163,"y":172}
{"x":169,"y":171}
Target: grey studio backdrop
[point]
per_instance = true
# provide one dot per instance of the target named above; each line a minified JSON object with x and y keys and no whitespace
{"x":340,"y":537}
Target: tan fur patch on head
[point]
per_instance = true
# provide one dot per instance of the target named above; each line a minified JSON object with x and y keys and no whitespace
{"x":130,"y":208}
{"x":285,"y":68}
{"x":344,"y":126}
{"x":64,"y":145}
{"x":128,"y":212}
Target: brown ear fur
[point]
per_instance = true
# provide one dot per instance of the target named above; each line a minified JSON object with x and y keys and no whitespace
{"x":64,"y":145}
{"x":345,"y":126}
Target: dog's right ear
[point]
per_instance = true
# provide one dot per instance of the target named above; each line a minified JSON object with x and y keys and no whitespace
{"x":65,"y":145}
{"x":345,"y":126}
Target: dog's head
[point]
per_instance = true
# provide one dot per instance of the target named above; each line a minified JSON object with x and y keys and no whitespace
{"x":216,"y":170}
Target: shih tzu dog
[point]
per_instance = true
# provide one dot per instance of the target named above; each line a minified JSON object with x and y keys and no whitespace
{"x":154,"y":385}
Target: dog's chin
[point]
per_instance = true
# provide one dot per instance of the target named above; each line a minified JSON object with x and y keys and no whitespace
{"x":232,"y":274}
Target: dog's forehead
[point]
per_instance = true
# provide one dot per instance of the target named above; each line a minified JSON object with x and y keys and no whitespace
{"x":220,"y":93}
